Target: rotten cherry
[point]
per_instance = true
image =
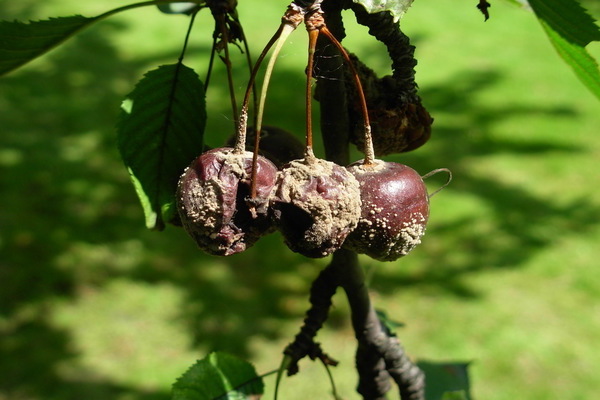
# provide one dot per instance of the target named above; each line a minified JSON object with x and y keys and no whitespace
{"x":316,"y":205}
{"x":395,"y":209}
{"x":215,"y":201}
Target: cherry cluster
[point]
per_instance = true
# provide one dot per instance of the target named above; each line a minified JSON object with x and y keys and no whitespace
{"x":379,"y":209}
{"x":228,"y":198}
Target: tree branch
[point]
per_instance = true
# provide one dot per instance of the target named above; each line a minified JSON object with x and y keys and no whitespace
{"x":382,"y":26}
{"x":322,"y":290}
{"x":374,"y":379}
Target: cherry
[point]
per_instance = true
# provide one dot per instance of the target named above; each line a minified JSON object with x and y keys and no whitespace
{"x":316,"y":205}
{"x":214,"y":204}
{"x":395,"y":209}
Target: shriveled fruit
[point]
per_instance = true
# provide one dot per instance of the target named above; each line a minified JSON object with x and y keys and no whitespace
{"x":213,"y":200}
{"x":395,"y":209}
{"x":399,"y":121}
{"x":316,"y":205}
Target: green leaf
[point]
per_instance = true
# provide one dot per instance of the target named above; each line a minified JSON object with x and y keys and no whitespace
{"x":396,"y":7}
{"x":159,"y":133}
{"x":582,"y":63}
{"x":446,"y":380}
{"x":21,"y":42}
{"x":570,"y":29}
{"x":219,"y":376}
{"x":568,"y":19}
{"x":389,"y":323}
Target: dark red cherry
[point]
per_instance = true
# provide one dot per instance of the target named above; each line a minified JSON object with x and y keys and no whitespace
{"x":315,"y":206}
{"x":395,"y":209}
{"x":213,"y":200}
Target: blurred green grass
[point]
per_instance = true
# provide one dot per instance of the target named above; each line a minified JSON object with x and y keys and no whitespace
{"x":94,"y":306}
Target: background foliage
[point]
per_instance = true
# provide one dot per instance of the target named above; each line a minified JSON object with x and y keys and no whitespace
{"x":92,"y":305}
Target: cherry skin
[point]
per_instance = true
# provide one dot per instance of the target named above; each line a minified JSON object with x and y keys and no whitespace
{"x":315,"y":206}
{"x":213,"y":200}
{"x":395,"y":209}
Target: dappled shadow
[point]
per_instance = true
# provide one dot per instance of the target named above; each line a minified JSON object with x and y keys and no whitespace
{"x":31,"y":351}
{"x":70,"y":220}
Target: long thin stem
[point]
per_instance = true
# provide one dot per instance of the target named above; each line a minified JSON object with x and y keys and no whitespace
{"x":284,"y":32}
{"x":211,"y":61}
{"x":313,"y":35}
{"x":220,"y":21}
{"x":436,"y":171}
{"x":187,"y":37}
{"x":242,"y":125}
{"x":285,"y":363}
{"x":249,"y":62}
{"x":369,"y":151}
{"x":137,"y":5}
{"x":289,"y":22}
{"x":331,"y":382}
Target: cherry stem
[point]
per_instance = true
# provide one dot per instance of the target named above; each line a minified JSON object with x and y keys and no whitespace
{"x":313,"y":35}
{"x":285,"y":32}
{"x":240,"y":140}
{"x":187,"y":38}
{"x":210,"y":64}
{"x":289,"y":22}
{"x":436,"y":171}
{"x":369,"y":151}
{"x":242,"y":126}
{"x":249,"y":62}
{"x":291,"y":19}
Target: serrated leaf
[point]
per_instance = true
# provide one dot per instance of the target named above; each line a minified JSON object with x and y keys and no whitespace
{"x":396,"y":7}
{"x":22,"y":42}
{"x":219,"y":376}
{"x":582,"y":63}
{"x":159,"y":133}
{"x":567,"y":18}
{"x":445,"y":380}
{"x":570,"y":29}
